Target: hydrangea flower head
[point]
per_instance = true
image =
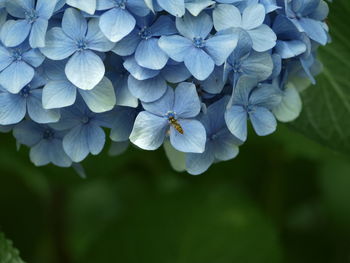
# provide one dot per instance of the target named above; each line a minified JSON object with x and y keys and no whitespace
{"x":190,"y":75}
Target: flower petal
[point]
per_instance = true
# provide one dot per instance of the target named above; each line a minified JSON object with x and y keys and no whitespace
{"x":149,"y":55}
{"x":95,"y":39}
{"x":226,"y":16}
{"x":14,"y":33}
{"x":58,"y":94}
{"x":236,"y":120}
{"x":194,"y":26}
{"x":253,"y":16}
{"x":16,"y":76}
{"x":176,"y":47}
{"x":74,"y":24}
{"x":263,"y":121}
{"x":13,"y":108}
{"x":199,"y":63}
{"x":187,"y":103}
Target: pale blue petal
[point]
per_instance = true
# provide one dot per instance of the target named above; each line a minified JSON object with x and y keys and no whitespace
{"x":28,"y":133}
{"x":36,"y":111}
{"x":258,"y":65}
{"x":147,"y":90}
{"x":85,"y":69}
{"x":226,"y":16}
{"x":174,"y":7}
{"x":149,"y":131}
{"x":45,"y":8}
{"x":123,"y":123}
{"x":5,"y":58}
{"x":163,"y":105}
{"x":199,"y":63}
{"x":266,"y":95}
{"x":89,"y":6}
{"x":74,"y":24}
{"x":198,"y":163}
{"x":176,"y":47}
{"x":13,"y":108}
{"x":175,"y":73}
{"x":193,"y":138}
{"x":187,"y":103}
{"x":236,"y":120}
{"x":17,"y":8}
{"x":225,"y":146}
{"x":101,"y":98}
{"x":263,"y":38}
{"x":16,"y":76}
{"x":163,"y":26}
{"x":219,"y":47}
{"x":197,"y":6}
{"x":58,"y":45}
{"x":194,"y":26}
{"x":263,"y":121}
{"x":59,"y":94}
{"x":116,"y":24}
{"x":314,"y":30}
{"x":149,"y":55}
{"x":95,"y":39}
{"x":14,"y":33}
{"x":128,"y":44}
{"x":137,"y":71}
{"x":38,"y":33}
{"x":33,"y":57}
{"x":253,"y":16}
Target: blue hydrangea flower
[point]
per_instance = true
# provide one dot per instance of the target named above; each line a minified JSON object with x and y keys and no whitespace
{"x":172,"y":114}
{"x":78,"y":40}
{"x":221,"y":145}
{"x":245,"y":61}
{"x":143,"y":41}
{"x":253,"y":101}
{"x":84,"y":131}
{"x":251,"y":20}
{"x":308,"y":17}
{"x":199,"y":51}
{"x":33,"y":21}
{"x":59,"y":92}
{"x":45,"y":143}
{"x":118,"y":19}
{"x":17,"y":66}
{"x":178,"y":7}
{"x":149,"y":85}
{"x":14,"y":107}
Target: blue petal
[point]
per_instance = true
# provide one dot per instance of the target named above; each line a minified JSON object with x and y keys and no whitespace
{"x":193,"y":138}
{"x":175,"y":73}
{"x":176,"y":47}
{"x":28,"y":133}
{"x":122,"y":92}
{"x":199,"y":63}
{"x":263,"y":121}
{"x":174,"y":7}
{"x":74,"y":24}
{"x":58,"y":94}
{"x":117,"y":23}
{"x":16,"y":76}
{"x":128,"y":44}
{"x":89,"y":6}
{"x":123,"y":123}
{"x":46,"y":8}
{"x":33,"y":57}
{"x":58,"y":45}
{"x":197,"y":6}
{"x":315,"y":30}
{"x":95,"y":39}
{"x":163,"y":26}
{"x":194,"y":26}
{"x":5,"y":58}
{"x":147,"y":90}
{"x":198,"y":163}
{"x":85,"y":69}
{"x":236,"y":120}
{"x":149,"y":131}
{"x":82,"y":140}
{"x":149,"y":55}
{"x":263,"y":38}
{"x":101,"y":98}
{"x":137,"y":71}
{"x":187,"y":103}
{"x":258,"y":65}
{"x":13,"y":108}
{"x":226,"y":16}
{"x":214,"y":84}
{"x":225,"y":146}
{"x":17,"y":8}
{"x":163,"y":105}
{"x":14,"y":33}
{"x":38,"y":33}
{"x":253,"y":16}
{"x":36,"y":111}
{"x":219,"y":47}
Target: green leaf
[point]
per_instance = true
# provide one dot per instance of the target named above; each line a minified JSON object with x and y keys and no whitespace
{"x":326,"y":111}
{"x":8,"y":254}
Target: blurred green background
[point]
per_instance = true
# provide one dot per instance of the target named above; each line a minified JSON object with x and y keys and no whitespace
{"x":283,"y":199}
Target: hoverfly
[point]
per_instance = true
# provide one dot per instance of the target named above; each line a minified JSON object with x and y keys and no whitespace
{"x":176,"y":125}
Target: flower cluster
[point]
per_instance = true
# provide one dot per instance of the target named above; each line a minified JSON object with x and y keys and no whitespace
{"x":189,"y":73}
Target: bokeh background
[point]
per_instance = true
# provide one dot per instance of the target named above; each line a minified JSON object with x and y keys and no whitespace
{"x":284,"y":199}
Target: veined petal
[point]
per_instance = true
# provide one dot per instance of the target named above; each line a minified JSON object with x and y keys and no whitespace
{"x":14,"y":33}
{"x":174,"y":7}
{"x":193,"y":138}
{"x":187,"y":103}
{"x":149,"y":131}
{"x":58,"y":94}
{"x":16,"y":76}
{"x":176,"y":47}
{"x":253,"y":16}
{"x":58,"y":45}
{"x":89,"y":6}
{"x":95,"y":39}
{"x":74,"y":24}
{"x":33,"y":57}
{"x":198,"y":163}
{"x":5,"y":58}
{"x":38,"y":33}
{"x":137,"y":71}
{"x":263,"y":121}
{"x":197,"y":6}
{"x":45,"y":8}
{"x":13,"y":108}
{"x":116,"y":24}
{"x":149,"y":55}
{"x":194,"y":26}
{"x":101,"y":98}
{"x":85,"y":69}
{"x":263,"y":38}
{"x":161,"y":106}
{"x":199,"y":63}
{"x":128,"y":44}
{"x":219,"y":47}
{"x":236,"y":120}
{"x":226,"y":16}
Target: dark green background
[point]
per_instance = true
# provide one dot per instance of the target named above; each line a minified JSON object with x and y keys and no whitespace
{"x":284,"y":199}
